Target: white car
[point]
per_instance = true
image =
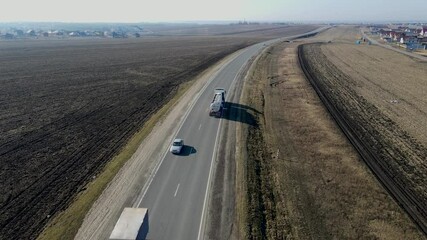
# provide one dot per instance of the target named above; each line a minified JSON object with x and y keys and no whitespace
{"x":177,"y":146}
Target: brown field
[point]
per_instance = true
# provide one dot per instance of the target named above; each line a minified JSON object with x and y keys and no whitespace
{"x":382,"y":94}
{"x":68,"y":106}
{"x":301,"y":178}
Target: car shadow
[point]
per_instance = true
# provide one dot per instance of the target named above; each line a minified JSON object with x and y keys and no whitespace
{"x":239,"y":113}
{"x":187,"y":151}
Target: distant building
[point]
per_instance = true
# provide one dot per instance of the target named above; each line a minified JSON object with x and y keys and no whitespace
{"x":55,"y":33}
{"x":408,"y":40}
{"x":19,"y":33}
{"x":387,"y":39}
{"x":74,"y":34}
{"x":9,"y":36}
{"x":411,"y":30}
{"x":118,"y":34}
{"x":31,"y":33}
{"x":396,"y":36}
{"x":386,"y":33}
{"x":422,"y":40}
{"x":88,"y":33}
{"x":411,"y":34}
{"x":375,"y":30}
{"x":99,"y":33}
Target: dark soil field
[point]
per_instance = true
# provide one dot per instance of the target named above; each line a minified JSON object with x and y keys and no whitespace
{"x":68,"y":106}
{"x":239,"y":30}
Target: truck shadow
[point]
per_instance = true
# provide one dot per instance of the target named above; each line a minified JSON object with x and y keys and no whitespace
{"x":239,"y":113}
{"x":187,"y":150}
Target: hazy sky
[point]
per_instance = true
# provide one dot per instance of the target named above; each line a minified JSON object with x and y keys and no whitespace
{"x":201,"y":10}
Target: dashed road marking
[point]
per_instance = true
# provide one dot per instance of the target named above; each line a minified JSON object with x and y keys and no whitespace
{"x":176,"y":191}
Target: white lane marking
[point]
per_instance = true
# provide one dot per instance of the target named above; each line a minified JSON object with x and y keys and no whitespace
{"x":176,"y":191}
{"x":202,"y":220}
{"x":200,"y":126}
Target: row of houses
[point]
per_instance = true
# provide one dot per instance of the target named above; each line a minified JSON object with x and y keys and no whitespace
{"x":17,"y":33}
{"x":406,"y":36}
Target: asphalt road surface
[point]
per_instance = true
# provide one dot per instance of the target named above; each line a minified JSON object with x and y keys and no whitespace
{"x":177,"y":194}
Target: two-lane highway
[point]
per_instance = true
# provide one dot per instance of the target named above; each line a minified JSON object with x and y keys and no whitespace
{"x":177,"y":194}
{"x":174,"y":188}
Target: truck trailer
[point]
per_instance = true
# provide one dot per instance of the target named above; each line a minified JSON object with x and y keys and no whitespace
{"x":217,"y":105}
{"x":132,"y":225}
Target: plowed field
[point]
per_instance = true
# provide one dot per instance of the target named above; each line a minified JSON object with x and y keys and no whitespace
{"x":68,"y":107}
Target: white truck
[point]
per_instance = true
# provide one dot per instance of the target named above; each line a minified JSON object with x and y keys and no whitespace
{"x":132,"y":224}
{"x":218,"y":102}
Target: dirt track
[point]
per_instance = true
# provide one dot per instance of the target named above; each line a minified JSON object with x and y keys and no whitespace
{"x":321,"y":188}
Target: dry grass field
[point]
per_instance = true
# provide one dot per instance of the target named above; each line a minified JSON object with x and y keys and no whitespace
{"x":394,"y":83}
{"x":301,"y":178}
{"x":68,"y":106}
{"x":382,"y":93}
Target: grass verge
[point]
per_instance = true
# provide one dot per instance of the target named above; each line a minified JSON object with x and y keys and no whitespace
{"x":66,"y":223}
{"x":257,"y":210}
